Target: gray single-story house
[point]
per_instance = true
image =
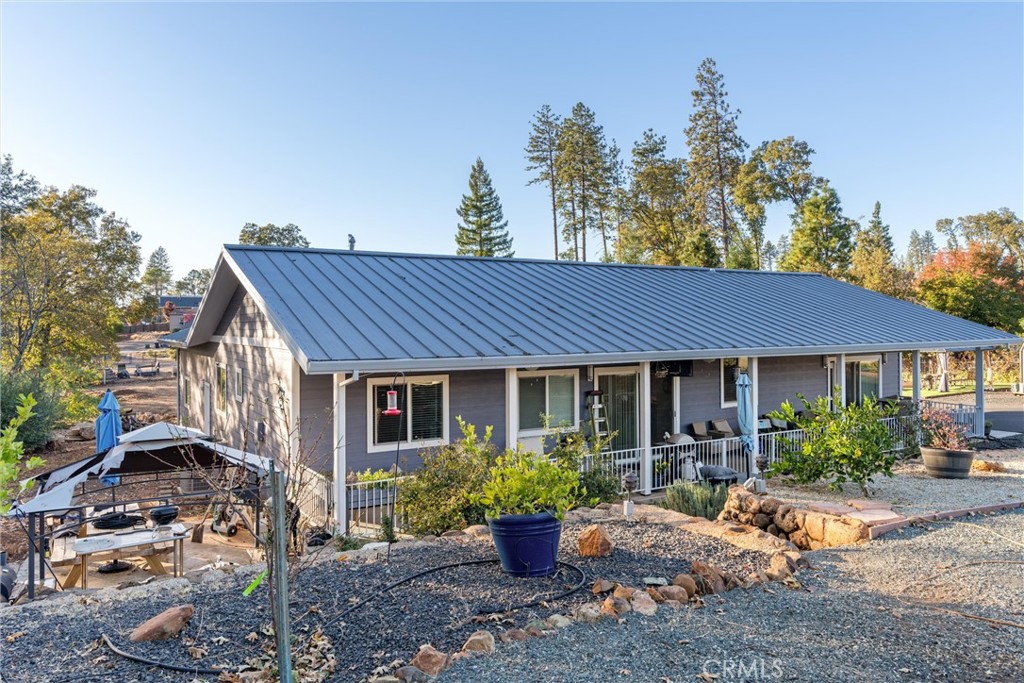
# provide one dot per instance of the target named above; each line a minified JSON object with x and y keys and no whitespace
{"x":296,"y":349}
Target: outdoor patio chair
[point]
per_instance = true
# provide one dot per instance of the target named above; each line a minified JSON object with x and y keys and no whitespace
{"x":700,"y":431}
{"x":720,"y":429}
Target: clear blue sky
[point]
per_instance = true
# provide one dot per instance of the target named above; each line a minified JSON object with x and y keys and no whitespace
{"x":191,"y":119}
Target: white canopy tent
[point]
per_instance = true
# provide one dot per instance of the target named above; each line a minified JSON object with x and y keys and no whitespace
{"x":156,"y":447}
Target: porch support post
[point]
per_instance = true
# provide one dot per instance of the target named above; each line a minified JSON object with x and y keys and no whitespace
{"x":915,"y":374}
{"x":647,"y":458}
{"x":295,"y":418}
{"x":979,"y":392}
{"x":340,"y":454}
{"x":841,"y":376}
{"x":512,"y":407}
{"x":756,"y":399}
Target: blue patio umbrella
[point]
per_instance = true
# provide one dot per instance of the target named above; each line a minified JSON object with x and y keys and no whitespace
{"x":745,"y":412}
{"x":108,"y":424}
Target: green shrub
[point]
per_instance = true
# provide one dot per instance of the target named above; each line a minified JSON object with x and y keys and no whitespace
{"x":850,"y":443}
{"x":524,"y":483}
{"x":440,"y":496}
{"x":696,"y":500}
{"x":381,"y":478}
{"x":67,"y":381}
{"x":12,"y":452}
{"x":344,"y":542}
{"x":598,"y":482}
{"x":37,"y":430}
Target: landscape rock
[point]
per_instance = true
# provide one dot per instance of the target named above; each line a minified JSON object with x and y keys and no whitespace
{"x":770,"y":506}
{"x":678,"y":593}
{"x":430,"y":660}
{"x":779,"y":568}
{"x":644,"y":604}
{"x":655,"y":593}
{"x":479,"y":641}
{"x":410,"y":674}
{"x":453,"y":533}
{"x":513,"y":635}
{"x":558,"y":621}
{"x":589,"y":613}
{"x":711,"y":575}
{"x":614,"y":606}
{"x":624,"y":592}
{"x":674,"y":604}
{"x":535,"y":631}
{"x":602,"y":586}
{"x":163,"y":626}
{"x":686,"y":582}
{"x":480,"y":532}
{"x":595,"y":542}
{"x":761,"y":520}
{"x":843,"y":531}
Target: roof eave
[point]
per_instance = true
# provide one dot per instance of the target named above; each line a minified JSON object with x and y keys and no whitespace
{"x":316,"y":367}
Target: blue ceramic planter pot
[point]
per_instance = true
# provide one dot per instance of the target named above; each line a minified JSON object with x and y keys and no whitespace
{"x":527,"y":544}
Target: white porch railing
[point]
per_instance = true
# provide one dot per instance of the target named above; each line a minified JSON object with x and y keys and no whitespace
{"x":368,"y":503}
{"x":314,"y":495}
{"x":968,"y":416}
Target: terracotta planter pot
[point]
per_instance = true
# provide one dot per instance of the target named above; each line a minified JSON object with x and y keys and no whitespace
{"x":946,"y":464}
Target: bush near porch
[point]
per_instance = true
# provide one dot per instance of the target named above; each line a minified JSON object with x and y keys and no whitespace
{"x":840,"y":445}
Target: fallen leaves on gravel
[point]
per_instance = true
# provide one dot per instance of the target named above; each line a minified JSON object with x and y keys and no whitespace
{"x":14,"y":636}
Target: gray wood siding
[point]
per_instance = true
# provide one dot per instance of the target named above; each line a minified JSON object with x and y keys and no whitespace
{"x":780,"y":379}
{"x":243,"y":319}
{"x":264,"y":372}
{"x":478,"y":396}
{"x":783,"y":378}
{"x":316,"y":417}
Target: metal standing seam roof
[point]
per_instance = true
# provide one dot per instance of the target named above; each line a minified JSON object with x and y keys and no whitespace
{"x":340,"y":311}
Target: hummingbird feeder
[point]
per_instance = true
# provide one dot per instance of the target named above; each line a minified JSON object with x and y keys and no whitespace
{"x":392,"y":409}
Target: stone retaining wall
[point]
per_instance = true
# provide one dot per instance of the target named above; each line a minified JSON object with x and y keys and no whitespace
{"x":806,"y":529}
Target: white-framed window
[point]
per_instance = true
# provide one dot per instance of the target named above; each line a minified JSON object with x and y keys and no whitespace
{"x":238,"y":384}
{"x":222,"y":387}
{"x":729,"y":371}
{"x":548,"y":392}
{"x":423,"y":422}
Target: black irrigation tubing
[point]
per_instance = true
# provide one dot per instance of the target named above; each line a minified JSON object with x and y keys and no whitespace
{"x":391,"y":586}
{"x":485,"y":610}
{"x":163,"y":665}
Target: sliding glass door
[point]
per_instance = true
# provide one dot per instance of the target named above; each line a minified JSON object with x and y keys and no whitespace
{"x":622,"y":406}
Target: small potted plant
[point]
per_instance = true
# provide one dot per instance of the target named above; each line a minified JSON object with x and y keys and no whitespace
{"x":526,"y":497}
{"x":945,"y":448}
{"x":988,"y":428}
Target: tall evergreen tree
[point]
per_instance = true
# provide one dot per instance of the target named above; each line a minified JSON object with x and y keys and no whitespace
{"x":658,"y":225}
{"x":158,"y":274}
{"x":716,"y":154}
{"x":822,"y":237}
{"x":873,"y":264}
{"x":541,"y":152}
{"x":582,"y":169}
{"x":920,"y":251}
{"x":483,"y":230}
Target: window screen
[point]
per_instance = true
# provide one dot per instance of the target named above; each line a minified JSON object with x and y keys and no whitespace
{"x":531,"y":402}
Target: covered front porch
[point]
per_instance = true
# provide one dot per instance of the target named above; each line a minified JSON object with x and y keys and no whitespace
{"x":647,"y":406}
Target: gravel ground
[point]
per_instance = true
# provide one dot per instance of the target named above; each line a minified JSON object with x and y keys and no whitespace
{"x":913,"y":492}
{"x":437,"y":608}
{"x":848,"y":624}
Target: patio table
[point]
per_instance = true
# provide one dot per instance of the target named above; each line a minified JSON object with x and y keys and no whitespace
{"x":150,"y":544}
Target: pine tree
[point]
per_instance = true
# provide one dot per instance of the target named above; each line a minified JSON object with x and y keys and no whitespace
{"x":483,"y":230}
{"x":158,"y":274}
{"x":716,"y":154}
{"x":822,"y":237}
{"x":873,"y":264}
{"x":656,"y":205}
{"x":920,"y":251}
{"x":582,"y":169}
{"x":272,"y":235}
{"x":541,"y":151}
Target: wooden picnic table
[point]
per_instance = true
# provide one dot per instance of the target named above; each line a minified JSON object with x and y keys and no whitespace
{"x":149,"y":544}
